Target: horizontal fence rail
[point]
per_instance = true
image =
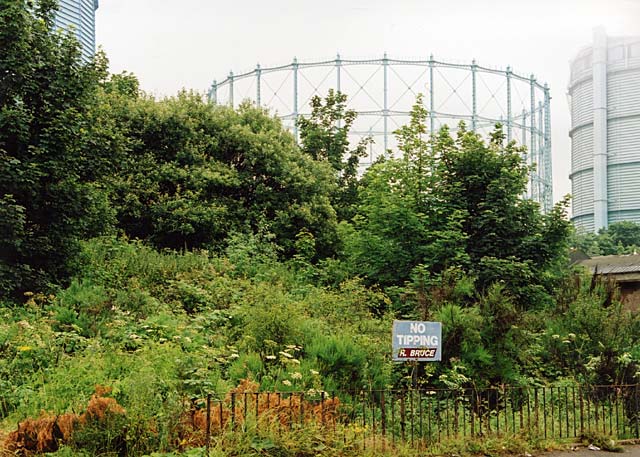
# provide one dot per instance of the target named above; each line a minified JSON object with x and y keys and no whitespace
{"x":423,"y":417}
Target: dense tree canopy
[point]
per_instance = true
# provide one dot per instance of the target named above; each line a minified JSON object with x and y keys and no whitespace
{"x":619,"y":238}
{"x":456,"y":203}
{"x":446,"y":229}
{"x":48,"y":162}
{"x":196,"y":173}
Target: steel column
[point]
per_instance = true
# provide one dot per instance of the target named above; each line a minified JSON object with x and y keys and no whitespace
{"x":541,"y":157}
{"x":338,"y":65}
{"x":600,"y":152}
{"x":474,"y":98}
{"x":431,"y":102}
{"x":547,"y":142}
{"x":509,"y":113}
{"x":535,"y":176}
{"x":525,"y":155}
{"x":385,"y":110}
{"x":213,"y":93}
{"x":258,"y":78}
{"x":338,"y":83}
{"x":295,"y":98}
{"x":231,"y":89}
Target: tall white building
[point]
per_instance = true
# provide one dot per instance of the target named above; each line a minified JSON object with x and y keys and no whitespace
{"x":604,"y":97}
{"x":80,"y":16}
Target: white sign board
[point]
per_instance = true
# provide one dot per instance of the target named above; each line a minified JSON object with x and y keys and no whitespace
{"x":417,"y":341}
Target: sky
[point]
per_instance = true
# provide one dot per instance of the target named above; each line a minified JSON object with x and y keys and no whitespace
{"x":170,"y":45}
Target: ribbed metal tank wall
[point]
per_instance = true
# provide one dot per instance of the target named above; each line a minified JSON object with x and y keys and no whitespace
{"x":80,"y":16}
{"x":622,"y":173}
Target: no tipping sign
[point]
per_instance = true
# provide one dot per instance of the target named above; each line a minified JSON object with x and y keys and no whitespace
{"x":417,"y":341}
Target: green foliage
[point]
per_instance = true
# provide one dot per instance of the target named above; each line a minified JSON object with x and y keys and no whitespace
{"x":196,"y":173}
{"x":324,"y":135}
{"x":270,"y":318}
{"x":456,"y":203}
{"x":507,"y":239}
{"x":341,"y":359}
{"x":445,"y":229}
{"x":617,"y":239}
{"x":232,"y":273}
{"x":47,"y":162}
{"x":593,"y":338}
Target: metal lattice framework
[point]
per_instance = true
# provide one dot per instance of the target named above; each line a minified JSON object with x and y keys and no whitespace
{"x":382,"y":92}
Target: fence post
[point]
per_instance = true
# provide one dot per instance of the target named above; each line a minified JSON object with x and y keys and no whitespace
{"x":244,"y":411}
{"x":528,"y":397}
{"x":291,"y":411}
{"x":480,"y":414}
{"x":233,"y":411}
{"x":581,"y":411}
{"x":364,"y":420}
{"x":472,"y":411}
{"x":383,"y":418}
{"x":573,"y":395}
{"x":220,"y":413}
{"x":412,"y":415}
{"x":456,"y":418}
{"x":544,"y":411}
{"x":402,"y":416}
{"x":208,"y":429}
{"x":636,"y":412}
{"x":497,"y":410}
{"x":536,"y":409}
{"x":257,"y":395}
{"x":553,"y":427}
{"x":393,"y":419}
{"x":566,"y":409}
{"x":334,"y":417}
{"x":429,"y":410}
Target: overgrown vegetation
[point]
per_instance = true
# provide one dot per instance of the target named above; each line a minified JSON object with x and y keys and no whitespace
{"x":618,"y":239}
{"x":169,"y":249}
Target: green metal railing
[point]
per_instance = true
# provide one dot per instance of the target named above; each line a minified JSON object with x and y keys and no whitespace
{"x":423,"y":417}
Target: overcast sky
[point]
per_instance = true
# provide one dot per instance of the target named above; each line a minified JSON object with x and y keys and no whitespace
{"x":173,"y":44}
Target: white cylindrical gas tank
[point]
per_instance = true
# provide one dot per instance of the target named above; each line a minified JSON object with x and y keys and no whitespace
{"x":604,"y":94}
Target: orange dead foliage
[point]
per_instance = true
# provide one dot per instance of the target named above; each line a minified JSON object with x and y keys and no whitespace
{"x":46,"y":433}
{"x":246,"y":403}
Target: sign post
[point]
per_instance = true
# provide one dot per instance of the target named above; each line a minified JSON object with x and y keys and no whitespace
{"x":417,"y":341}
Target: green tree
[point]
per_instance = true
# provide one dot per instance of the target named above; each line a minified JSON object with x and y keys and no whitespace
{"x":401,"y":224}
{"x":324,"y":135}
{"x":507,"y":238}
{"x":47,"y":164}
{"x":197,"y":173}
{"x":446,"y":229}
{"x":625,"y":233}
{"x":619,"y":238}
{"x":456,"y":203}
